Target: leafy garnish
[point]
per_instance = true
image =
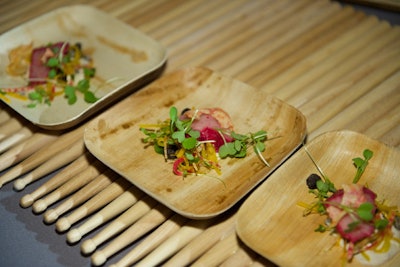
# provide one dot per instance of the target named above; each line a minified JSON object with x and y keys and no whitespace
{"x":361,"y":164}
{"x":192,"y":155}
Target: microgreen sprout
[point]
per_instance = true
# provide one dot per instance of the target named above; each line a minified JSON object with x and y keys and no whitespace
{"x":361,"y":164}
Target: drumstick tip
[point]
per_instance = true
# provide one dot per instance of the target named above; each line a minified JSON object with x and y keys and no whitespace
{"x":63,"y":224}
{"x":26,"y":201}
{"x":50,"y":216}
{"x":74,"y":236}
{"x":20,"y":184}
{"x":99,"y":258}
{"x":88,"y":246}
{"x":39,"y":206}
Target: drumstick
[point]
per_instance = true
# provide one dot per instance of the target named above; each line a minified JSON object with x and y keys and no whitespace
{"x":175,"y":242}
{"x":70,"y":186}
{"x":42,"y":155}
{"x":147,"y":223}
{"x":57,"y":161}
{"x":85,"y":193}
{"x":164,"y":231}
{"x":16,"y":138}
{"x":10,"y":127}
{"x":142,"y":208}
{"x":98,"y":201}
{"x":219,"y":252}
{"x":4,"y":116}
{"x":203,"y":242}
{"x":241,"y":258}
{"x":114,"y":208}
{"x":77,"y":166}
{"x":25,"y":149}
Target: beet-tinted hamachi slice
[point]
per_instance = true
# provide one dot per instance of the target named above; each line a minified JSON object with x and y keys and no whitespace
{"x":208,"y":121}
{"x":38,"y":71}
{"x":353,"y":196}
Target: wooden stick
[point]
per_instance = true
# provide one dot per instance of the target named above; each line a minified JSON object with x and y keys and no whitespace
{"x":42,"y":155}
{"x":10,"y":127}
{"x":97,"y":202}
{"x":152,"y":241}
{"x":4,"y":116}
{"x":198,"y":246}
{"x":219,"y":253}
{"x":113,"y":209}
{"x":25,"y":149}
{"x":69,"y":187}
{"x":242,"y":257}
{"x":18,"y":137}
{"x":147,"y":223}
{"x":141,"y":209}
{"x":174,"y":243}
{"x":57,"y":161}
{"x":85,"y":193}
{"x":77,"y":166}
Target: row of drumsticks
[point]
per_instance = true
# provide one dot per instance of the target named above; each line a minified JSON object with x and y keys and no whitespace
{"x":86,"y":190}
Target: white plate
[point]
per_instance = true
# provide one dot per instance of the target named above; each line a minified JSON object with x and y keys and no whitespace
{"x":113,"y":46}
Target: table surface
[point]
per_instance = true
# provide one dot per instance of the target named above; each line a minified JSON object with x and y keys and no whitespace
{"x":313,"y":55}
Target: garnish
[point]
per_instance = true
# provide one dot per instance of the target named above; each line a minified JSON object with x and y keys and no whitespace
{"x":361,"y":222}
{"x":195,"y":140}
{"x":52,"y":70}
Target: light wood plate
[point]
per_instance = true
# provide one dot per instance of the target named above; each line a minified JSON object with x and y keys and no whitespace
{"x":124,"y":58}
{"x":115,"y":139}
{"x":271,"y":223}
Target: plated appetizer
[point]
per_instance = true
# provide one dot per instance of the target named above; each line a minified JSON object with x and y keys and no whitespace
{"x":367,"y":228}
{"x":51,"y":70}
{"x":197,"y":139}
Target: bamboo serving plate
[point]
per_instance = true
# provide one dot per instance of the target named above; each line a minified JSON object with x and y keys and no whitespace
{"x":115,"y":139}
{"x":270,"y":221}
{"x":124,"y":60}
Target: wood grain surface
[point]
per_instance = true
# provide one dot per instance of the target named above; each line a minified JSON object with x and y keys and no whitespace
{"x":338,"y":66}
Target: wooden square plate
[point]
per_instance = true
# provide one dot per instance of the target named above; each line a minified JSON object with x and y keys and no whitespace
{"x":115,"y":139}
{"x":272,"y":224}
{"x":124,"y":59}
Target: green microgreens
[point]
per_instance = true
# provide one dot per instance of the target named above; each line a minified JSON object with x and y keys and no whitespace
{"x":58,"y":75}
{"x":179,"y":133}
{"x":361,"y":164}
{"x":238,"y":148}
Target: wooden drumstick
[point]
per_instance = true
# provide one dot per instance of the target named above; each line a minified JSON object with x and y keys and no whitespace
{"x":219,"y":252}
{"x":85,"y":193}
{"x":25,"y":149}
{"x":202,"y":243}
{"x":113,"y":209}
{"x":147,"y":223}
{"x":175,"y":242}
{"x":70,"y":186}
{"x":10,"y":127}
{"x":4,"y":116}
{"x":97,"y":202}
{"x":77,"y":166}
{"x":242,"y":257}
{"x":164,"y":231}
{"x":57,"y":161}
{"x":18,"y":137}
{"x":42,"y":155}
{"x":140,"y":210}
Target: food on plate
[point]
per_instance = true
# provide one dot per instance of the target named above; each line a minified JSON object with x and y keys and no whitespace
{"x":197,"y":139}
{"x":55,"y":69}
{"x":368,"y":229}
